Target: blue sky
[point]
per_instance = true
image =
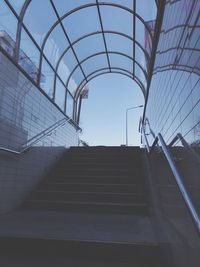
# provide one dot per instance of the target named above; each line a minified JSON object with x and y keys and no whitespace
{"x":104,"y":112}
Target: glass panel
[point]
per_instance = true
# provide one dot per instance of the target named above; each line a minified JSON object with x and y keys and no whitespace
{"x":140,"y":75}
{"x":47,"y":78}
{"x":88,"y":46}
{"x":60,"y":94}
{"x":95,"y":63}
{"x":17,"y":5}
{"x":78,"y":75}
{"x":142,"y":36}
{"x":8,"y":28}
{"x":70,"y":105}
{"x":72,"y":86}
{"x":119,"y":43}
{"x":92,"y":74}
{"x":120,"y":20}
{"x":29,"y":55}
{"x":140,"y":57}
{"x":63,"y":7}
{"x":146,"y":9}
{"x":127,"y":3}
{"x":127,"y":72}
{"x":82,"y":22}
{"x":118,"y":61}
{"x":55,"y":45}
{"x":39,"y":17}
{"x":66,"y":66}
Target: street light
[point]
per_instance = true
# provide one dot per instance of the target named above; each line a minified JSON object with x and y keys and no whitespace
{"x":127,"y":121}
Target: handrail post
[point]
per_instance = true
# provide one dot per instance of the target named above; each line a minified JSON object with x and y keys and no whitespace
{"x":145,"y":137}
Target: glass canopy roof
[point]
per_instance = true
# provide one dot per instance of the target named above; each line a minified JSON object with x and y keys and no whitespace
{"x":63,"y":44}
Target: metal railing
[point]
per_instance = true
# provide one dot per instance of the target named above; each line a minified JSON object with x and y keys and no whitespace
{"x":38,"y":137}
{"x":159,"y":140}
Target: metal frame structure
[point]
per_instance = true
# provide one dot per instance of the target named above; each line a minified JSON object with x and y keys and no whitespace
{"x":114,"y":70}
{"x":71,"y":46}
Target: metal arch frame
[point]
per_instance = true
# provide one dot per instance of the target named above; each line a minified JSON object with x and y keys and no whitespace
{"x":97,"y":33}
{"x":78,"y":9}
{"x":103,"y":34}
{"x":134,"y":31}
{"x":97,"y":75}
{"x":20,"y":18}
{"x":101,"y":53}
{"x":121,"y":70}
{"x":93,"y":77}
{"x":69,"y":41}
{"x":19,"y":28}
{"x":27,"y":2}
{"x":81,"y":84}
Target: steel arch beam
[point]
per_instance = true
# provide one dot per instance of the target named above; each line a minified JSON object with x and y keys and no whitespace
{"x":83,"y":7}
{"x":130,"y":74}
{"x":103,"y":34}
{"x":97,"y":75}
{"x":93,"y":5}
{"x":97,"y":33}
{"x":101,"y":53}
{"x":20,"y":19}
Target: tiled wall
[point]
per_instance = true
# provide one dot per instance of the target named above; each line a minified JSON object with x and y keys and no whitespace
{"x":174,"y":98}
{"x":25,"y":112}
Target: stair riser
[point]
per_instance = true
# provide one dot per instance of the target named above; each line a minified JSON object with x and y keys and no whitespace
{"x":137,"y":209}
{"x":113,"y":198}
{"x":93,"y":188}
{"x":96,"y":159}
{"x":96,"y":167}
{"x":90,"y":171}
{"x":97,"y":180}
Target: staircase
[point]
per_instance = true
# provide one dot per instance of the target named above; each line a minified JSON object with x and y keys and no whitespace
{"x":94,"y":180}
{"x":91,"y":209}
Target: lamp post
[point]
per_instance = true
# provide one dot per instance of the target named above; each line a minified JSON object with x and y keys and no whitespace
{"x":127,"y":110}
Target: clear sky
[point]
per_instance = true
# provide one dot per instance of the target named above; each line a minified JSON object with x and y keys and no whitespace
{"x":103,"y":117}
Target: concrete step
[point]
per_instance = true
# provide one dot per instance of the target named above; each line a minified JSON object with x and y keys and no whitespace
{"x":97,"y":165}
{"x":94,"y":178}
{"x":80,"y":206}
{"x":88,"y":196}
{"x":93,"y":187}
{"x":103,"y":171}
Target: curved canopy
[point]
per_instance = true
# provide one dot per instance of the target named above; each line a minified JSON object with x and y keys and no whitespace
{"x":70,"y":42}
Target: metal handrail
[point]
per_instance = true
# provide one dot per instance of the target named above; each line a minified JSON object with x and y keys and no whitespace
{"x":38,"y":137}
{"x":179,"y":179}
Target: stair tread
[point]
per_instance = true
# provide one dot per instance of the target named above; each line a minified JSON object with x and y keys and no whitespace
{"x":89,"y":192}
{"x":89,"y":203}
{"x":69,"y":183}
